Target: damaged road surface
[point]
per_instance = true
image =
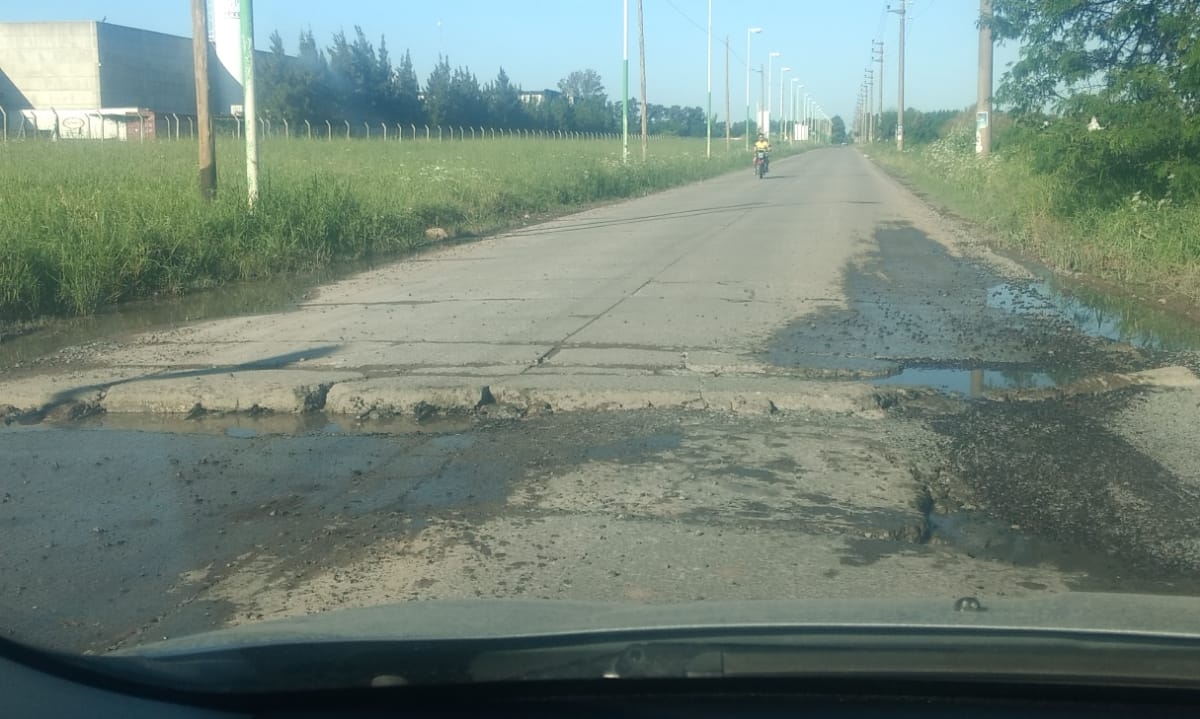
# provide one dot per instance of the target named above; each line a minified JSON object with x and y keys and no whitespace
{"x":809,"y":386}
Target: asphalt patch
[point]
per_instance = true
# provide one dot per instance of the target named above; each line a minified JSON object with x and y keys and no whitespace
{"x":916,"y":315}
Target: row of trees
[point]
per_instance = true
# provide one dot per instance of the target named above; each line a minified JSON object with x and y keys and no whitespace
{"x":353,"y":79}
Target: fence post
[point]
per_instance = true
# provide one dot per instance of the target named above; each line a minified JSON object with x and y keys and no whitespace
{"x":347,"y":128}
{"x":329,"y":129}
{"x":266,"y":127}
{"x":472,"y":133}
{"x":308,"y":128}
{"x":191,"y":127}
{"x":368,"y":127}
{"x":427,"y":133}
{"x":399,"y":132}
{"x":287,"y":131}
{"x":5,"y":120}
{"x":439,"y":133}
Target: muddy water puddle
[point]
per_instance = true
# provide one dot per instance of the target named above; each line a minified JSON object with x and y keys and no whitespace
{"x":917,"y":316}
{"x":243,"y":426}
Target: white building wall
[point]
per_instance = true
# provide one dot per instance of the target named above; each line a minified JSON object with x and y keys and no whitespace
{"x":50,"y":64}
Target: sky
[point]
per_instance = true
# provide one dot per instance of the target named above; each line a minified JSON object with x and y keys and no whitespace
{"x":825,"y":43}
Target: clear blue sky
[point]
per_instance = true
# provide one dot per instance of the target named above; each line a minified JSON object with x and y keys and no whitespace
{"x":827,"y":43}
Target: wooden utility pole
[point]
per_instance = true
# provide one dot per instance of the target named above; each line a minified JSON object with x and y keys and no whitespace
{"x":208,"y":149}
{"x":642,"y":63}
{"x":983,"y":119}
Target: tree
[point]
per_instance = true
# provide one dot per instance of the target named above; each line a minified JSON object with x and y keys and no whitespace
{"x":503,"y":100}
{"x":361,"y":78}
{"x":1134,"y":65}
{"x":582,"y":84}
{"x":407,"y":92}
{"x":466,"y":105}
{"x":838,"y":130}
{"x":437,"y":92}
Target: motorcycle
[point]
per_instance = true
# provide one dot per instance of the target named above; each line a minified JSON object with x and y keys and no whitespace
{"x":760,"y":163}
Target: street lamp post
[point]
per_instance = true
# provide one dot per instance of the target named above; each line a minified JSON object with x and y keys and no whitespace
{"x":792,"y":111}
{"x":782,"y":71}
{"x":770,"y":57}
{"x":749,"y":31}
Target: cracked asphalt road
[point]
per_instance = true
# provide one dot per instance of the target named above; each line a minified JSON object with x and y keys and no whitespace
{"x":807,"y":386}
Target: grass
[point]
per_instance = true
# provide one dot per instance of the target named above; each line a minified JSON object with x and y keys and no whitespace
{"x":1137,"y":244}
{"x":85,"y":225}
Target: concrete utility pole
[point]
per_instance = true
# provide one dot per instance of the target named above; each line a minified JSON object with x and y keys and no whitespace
{"x":749,"y":32}
{"x":642,"y":62}
{"x":983,"y":115}
{"x":625,"y":86}
{"x":728,"y":116}
{"x":877,"y":53}
{"x":249,"y":103}
{"x":208,"y":148}
{"x":900,"y":92}
{"x":870,"y":105}
{"x":708,"y":111}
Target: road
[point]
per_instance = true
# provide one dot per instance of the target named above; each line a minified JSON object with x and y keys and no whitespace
{"x":809,"y":385}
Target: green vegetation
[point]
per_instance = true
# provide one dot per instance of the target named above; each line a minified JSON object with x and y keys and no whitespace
{"x":353,"y":80}
{"x":1140,"y":241}
{"x":1096,"y":160}
{"x":86,"y":225}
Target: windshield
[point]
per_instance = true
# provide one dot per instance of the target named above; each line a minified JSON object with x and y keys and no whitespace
{"x":648,"y":304}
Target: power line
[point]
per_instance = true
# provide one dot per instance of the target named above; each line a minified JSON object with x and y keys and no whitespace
{"x":701,"y":28}
{"x":684,"y":15}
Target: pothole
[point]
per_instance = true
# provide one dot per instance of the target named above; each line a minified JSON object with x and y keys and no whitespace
{"x":1098,"y":316}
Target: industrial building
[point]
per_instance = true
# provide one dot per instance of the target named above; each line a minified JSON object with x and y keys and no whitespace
{"x":97,"y":80}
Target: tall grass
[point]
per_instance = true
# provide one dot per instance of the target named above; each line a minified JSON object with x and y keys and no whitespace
{"x":1138,"y":243}
{"x":85,"y":225}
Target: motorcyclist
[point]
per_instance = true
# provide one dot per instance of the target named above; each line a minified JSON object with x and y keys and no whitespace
{"x":763,"y":145}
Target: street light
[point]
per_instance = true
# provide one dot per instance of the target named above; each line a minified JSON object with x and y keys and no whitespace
{"x":782,"y":72}
{"x":770,"y":58}
{"x":793,"y":114}
{"x":749,"y":31}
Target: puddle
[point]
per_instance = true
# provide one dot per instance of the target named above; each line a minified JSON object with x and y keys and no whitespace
{"x":970,"y":382}
{"x":47,"y":336}
{"x":914,"y":315}
{"x":307,"y":424}
{"x":1097,"y":315}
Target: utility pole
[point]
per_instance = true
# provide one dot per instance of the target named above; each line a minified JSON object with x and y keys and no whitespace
{"x":708,"y":112}
{"x":870,"y":105}
{"x":625,"y":85}
{"x":728,"y":116}
{"x":983,"y":115}
{"x":877,"y":52}
{"x":248,"y":102}
{"x":749,"y":32}
{"x":900,"y":92}
{"x":208,"y":149}
{"x":642,"y":62}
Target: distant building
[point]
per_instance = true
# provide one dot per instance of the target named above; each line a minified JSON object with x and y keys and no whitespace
{"x":537,"y":97}
{"x":101,"y":81}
